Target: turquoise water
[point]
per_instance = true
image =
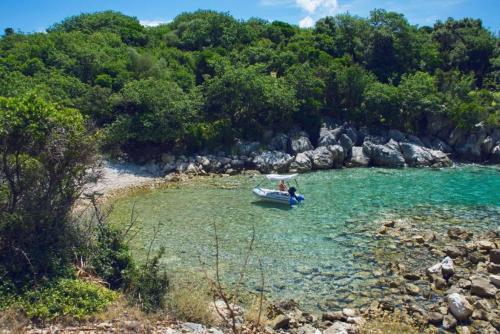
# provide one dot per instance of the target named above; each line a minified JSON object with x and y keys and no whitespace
{"x":322,"y":253}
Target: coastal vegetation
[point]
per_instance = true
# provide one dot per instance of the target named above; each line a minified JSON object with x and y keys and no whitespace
{"x":102,"y":84}
{"x":206,"y":78}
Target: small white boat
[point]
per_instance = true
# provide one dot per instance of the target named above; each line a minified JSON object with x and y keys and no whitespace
{"x":276,"y":196}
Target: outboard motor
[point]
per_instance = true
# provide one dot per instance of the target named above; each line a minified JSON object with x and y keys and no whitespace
{"x":294,"y":199}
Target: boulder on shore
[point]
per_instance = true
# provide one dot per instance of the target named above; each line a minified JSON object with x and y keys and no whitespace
{"x":420,"y":156}
{"x":358,"y":158}
{"x":325,"y":157}
{"x":272,"y":161}
{"x":459,"y":306}
{"x":387,"y":155}
{"x":346,"y":144}
{"x":279,"y":142}
{"x":300,"y":143}
{"x":447,"y":267}
{"x":482,"y":287}
{"x":328,"y":137}
{"x":302,"y":162}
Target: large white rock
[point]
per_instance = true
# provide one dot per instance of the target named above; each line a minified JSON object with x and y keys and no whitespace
{"x":272,"y":161}
{"x":435,"y":269}
{"x":387,"y":155}
{"x":326,"y":157}
{"x":358,"y":158}
{"x":447,"y":267}
{"x":300,"y":143}
{"x":420,"y":156}
{"x":459,"y":306}
{"x":302,"y":162}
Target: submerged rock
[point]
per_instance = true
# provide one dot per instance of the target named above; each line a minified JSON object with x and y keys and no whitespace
{"x":449,"y":322}
{"x":412,"y":289}
{"x":435,"y":318}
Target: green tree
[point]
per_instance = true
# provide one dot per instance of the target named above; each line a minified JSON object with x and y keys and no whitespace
{"x":343,"y":35}
{"x":250,"y":99}
{"x":346,"y":86}
{"x":465,"y":45}
{"x":128,"y":28}
{"x":382,"y":106}
{"x":151,"y":112}
{"x":44,"y":163}
{"x":310,"y":96}
{"x":204,"y":28}
{"x":419,"y":100}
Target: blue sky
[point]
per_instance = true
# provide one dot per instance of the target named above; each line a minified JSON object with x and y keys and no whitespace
{"x":37,"y":15}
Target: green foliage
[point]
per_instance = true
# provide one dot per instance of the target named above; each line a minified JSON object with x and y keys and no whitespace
{"x":65,"y":298}
{"x":150,"y":284}
{"x":129,"y":28}
{"x":419,"y":98}
{"x":465,"y":45}
{"x":44,"y":163}
{"x":209,"y":135}
{"x":106,"y":253}
{"x":382,"y":105}
{"x":174,"y":86}
{"x":201,"y":29}
{"x":250,"y":99}
{"x":346,"y":87}
{"x":151,"y":111}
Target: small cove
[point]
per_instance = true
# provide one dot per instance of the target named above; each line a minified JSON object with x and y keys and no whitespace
{"x":326,"y":253}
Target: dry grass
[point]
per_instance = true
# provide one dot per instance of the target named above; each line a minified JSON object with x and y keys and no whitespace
{"x":12,"y":321}
{"x":121,"y":309}
{"x":189,"y":300}
{"x":253,"y":311}
{"x":394,"y":323}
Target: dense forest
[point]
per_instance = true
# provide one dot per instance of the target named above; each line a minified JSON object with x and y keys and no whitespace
{"x":206,"y":78}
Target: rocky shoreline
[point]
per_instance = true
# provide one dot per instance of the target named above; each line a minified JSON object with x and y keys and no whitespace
{"x":341,"y":146}
{"x":459,"y":292}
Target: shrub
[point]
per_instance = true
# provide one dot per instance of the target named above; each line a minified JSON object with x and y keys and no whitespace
{"x":150,"y":284}
{"x":65,"y":298}
{"x":45,"y":160}
{"x":189,"y":300}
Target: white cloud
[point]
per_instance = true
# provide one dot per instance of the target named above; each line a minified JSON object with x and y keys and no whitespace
{"x":153,"y":23}
{"x":317,"y":7}
{"x":306,"y":22}
{"x":321,"y":7}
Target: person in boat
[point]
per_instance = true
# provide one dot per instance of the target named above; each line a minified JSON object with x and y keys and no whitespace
{"x":282,"y":186}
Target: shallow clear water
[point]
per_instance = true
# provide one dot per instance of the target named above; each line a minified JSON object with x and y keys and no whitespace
{"x":323,"y":252}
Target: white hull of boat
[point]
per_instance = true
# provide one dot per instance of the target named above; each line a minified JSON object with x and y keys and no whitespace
{"x":273,"y":196}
